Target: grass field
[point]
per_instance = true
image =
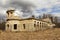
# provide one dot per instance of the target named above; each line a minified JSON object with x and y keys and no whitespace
{"x":50,"y":34}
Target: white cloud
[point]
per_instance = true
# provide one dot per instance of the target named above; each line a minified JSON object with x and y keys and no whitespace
{"x":44,"y":3}
{"x":2,"y":11}
{"x":4,"y":2}
{"x":56,"y":14}
{"x":18,"y":13}
{"x":48,"y":4}
{"x":38,"y":3}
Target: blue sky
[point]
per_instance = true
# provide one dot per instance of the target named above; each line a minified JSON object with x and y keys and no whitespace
{"x":54,"y":10}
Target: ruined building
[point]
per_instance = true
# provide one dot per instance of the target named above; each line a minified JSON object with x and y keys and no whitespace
{"x":15,"y":23}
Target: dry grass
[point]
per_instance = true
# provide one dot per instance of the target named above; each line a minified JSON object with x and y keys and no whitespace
{"x":51,"y":34}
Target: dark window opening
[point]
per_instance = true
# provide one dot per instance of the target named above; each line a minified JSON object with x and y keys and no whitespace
{"x":24,"y":26}
{"x":37,"y":23}
{"x":15,"y":26}
{"x":8,"y":25}
{"x":34,"y":25}
{"x":34,"y":21}
{"x":40,"y":22}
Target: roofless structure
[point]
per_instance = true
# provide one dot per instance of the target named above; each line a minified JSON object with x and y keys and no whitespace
{"x":15,"y":23}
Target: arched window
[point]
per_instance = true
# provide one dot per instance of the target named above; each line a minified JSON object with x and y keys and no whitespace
{"x":38,"y":24}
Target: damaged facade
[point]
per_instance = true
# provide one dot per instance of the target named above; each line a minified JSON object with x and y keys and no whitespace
{"x":15,"y":23}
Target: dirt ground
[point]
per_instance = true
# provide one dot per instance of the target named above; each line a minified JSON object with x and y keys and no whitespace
{"x":50,"y":34}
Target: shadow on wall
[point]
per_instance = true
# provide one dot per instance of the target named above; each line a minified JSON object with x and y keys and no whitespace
{"x":2,"y":26}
